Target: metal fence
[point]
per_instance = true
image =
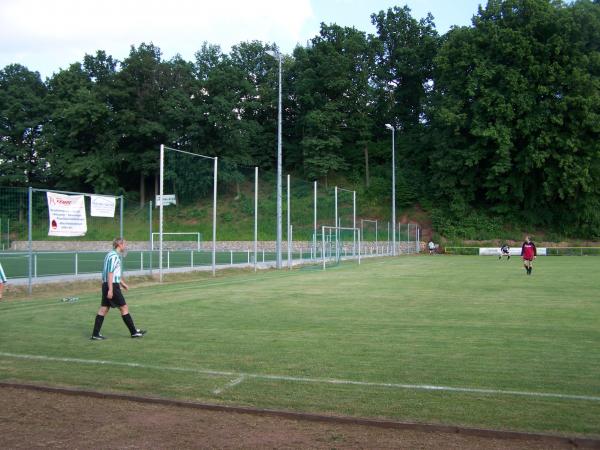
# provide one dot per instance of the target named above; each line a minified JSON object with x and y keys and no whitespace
{"x":246,"y":221}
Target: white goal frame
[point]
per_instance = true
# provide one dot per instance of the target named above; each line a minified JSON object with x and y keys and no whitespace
{"x":165,"y":233}
{"x":355,"y":234}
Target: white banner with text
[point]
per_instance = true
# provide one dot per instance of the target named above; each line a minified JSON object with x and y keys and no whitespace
{"x":102,"y":206}
{"x":66,"y":215}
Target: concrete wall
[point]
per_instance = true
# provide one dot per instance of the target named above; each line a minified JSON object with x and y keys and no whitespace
{"x":80,"y":246}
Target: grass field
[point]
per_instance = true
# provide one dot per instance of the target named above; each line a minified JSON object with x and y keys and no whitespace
{"x":444,"y":339}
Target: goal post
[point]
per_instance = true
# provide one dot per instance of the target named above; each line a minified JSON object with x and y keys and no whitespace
{"x":332,"y":243}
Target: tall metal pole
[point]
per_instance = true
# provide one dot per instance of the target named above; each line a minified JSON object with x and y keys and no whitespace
{"x":255,"y":216}
{"x":160,"y":213}
{"x":354,"y":222}
{"x":394,"y":189}
{"x":30,"y":235}
{"x":289,"y":224}
{"x":315,"y":221}
{"x":214,"y":246}
{"x":279,"y":212}
{"x":151,"y":249}
{"x":393,"y":129}
{"x":337,"y":238}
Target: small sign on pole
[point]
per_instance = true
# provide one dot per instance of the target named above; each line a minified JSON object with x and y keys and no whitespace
{"x":166,"y":200}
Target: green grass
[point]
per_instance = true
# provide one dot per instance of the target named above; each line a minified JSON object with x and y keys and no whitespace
{"x":456,"y":321}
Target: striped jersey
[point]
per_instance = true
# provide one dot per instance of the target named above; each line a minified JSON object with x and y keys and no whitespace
{"x":2,"y":275}
{"x":112,"y":263}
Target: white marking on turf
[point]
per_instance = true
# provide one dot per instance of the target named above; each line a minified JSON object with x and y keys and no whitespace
{"x":242,"y":375}
{"x":229,"y":385}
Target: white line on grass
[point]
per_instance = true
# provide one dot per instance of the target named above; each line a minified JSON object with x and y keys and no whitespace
{"x":243,"y":375}
{"x":229,"y":385}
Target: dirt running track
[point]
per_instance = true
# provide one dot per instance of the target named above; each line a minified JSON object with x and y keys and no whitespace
{"x":31,"y":419}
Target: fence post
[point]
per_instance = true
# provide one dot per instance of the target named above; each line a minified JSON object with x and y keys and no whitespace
{"x":29,"y":220}
{"x":255,"y":216}
{"x":121,"y":225}
{"x":151,"y":247}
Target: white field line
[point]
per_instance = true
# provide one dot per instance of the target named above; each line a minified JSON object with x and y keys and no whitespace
{"x":229,"y":385}
{"x":243,"y":375}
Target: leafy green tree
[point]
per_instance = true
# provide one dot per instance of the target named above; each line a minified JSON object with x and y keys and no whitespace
{"x":334,"y":99}
{"x":22,"y":118}
{"x":404,"y":74}
{"x":140,"y":88}
{"x":516,"y":112}
{"x":80,"y":137}
{"x":404,"y":77}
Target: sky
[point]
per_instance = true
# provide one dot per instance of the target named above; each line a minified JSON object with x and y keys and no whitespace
{"x":47,"y":35}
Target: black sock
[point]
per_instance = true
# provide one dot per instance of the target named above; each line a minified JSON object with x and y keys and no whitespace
{"x":129,"y":322}
{"x":97,"y":324}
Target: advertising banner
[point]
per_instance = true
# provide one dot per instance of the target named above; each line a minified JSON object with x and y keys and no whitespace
{"x":102,"y":206}
{"x":66,"y":215}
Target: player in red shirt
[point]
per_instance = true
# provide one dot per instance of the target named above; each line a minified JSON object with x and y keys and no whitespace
{"x":528,"y":253}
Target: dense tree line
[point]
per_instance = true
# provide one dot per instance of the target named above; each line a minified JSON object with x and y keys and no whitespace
{"x":501,"y":116}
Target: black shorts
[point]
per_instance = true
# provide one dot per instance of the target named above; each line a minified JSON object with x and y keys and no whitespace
{"x":117,"y":300}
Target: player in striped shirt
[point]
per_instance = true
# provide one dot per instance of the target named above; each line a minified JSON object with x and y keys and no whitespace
{"x":112,"y":297}
{"x":3,"y":280}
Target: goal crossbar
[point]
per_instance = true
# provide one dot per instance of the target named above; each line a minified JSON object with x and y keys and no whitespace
{"x":156,"y":235}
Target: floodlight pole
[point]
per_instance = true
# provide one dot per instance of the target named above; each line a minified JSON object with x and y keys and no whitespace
{"x":279,"y":163}
{"x":390,"y":127}
{"x":278,"y":56}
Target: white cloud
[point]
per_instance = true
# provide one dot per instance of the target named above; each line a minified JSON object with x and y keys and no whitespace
{"x":47,"y":34}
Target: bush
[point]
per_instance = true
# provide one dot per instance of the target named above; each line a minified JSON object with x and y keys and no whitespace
{"x":468,"y":225}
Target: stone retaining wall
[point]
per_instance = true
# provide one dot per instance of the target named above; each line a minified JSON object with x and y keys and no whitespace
{"x":269,"y":246}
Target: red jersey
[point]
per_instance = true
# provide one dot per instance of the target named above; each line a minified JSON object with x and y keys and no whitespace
{"x":528,"y":250}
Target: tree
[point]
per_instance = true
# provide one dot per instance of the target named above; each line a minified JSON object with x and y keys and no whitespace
{"x":516,"y":112}
{"x":80,"y":137}
{"x":140,"y":88}
{"x":404,"y":78}
{"x":22,"y":119}
{"x":334,"y":98}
